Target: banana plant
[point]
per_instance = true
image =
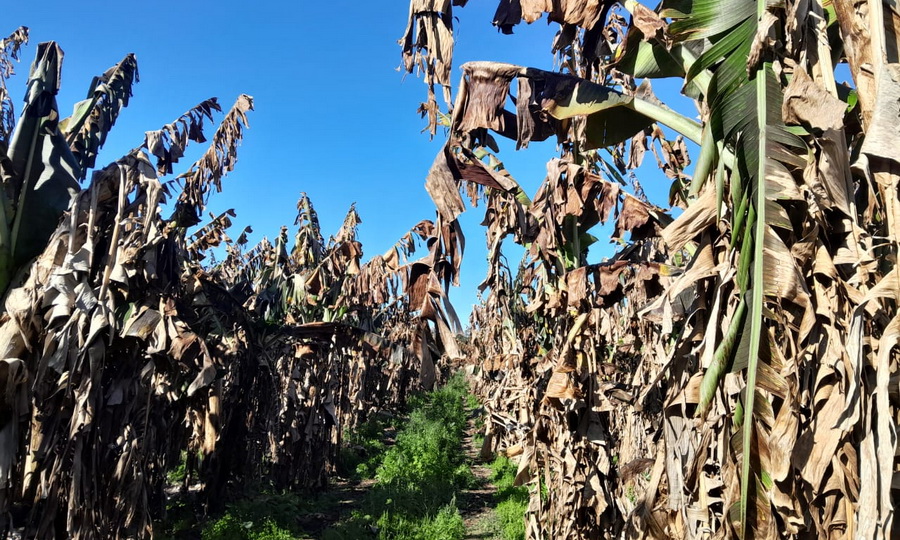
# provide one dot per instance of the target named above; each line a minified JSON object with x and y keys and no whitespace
{"x":721,"y":50}
{"x":786,"y":243}
{"x":745,"y":101}
{"x":43,"y":177}
{"x":47,"y":157}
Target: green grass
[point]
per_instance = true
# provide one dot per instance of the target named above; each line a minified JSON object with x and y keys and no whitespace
{"x":512,"y":501}
{"x":177,"y":475}
{"x":363,"y":448}
{"x":414,"y":497}
{"x":419,"y":476}
{"x":472,"y":401}
{"x":257,"y":516}
{"x":264,"y":516}
{"x":229,"y":527}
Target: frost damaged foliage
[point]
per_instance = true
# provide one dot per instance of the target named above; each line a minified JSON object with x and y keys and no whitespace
{"x":102,"y":360}
{"x":9,"y":53}
{"x":219,"y":159}
{"x":560,"y":335}
{"x":124,"y":344}
{"x":583,"y":13}
{"x":428,"y":47}
{"x":727,"y":373}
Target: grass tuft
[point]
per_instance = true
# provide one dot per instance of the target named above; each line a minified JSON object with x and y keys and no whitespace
{"x":512,"y":501}
{"x":418,"y":477}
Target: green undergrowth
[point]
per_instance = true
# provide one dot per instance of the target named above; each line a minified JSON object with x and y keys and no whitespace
{"x":258,"y":516}
{"x":508,"y":521}
{"x":264,"y":517}
{"x":363,"y":448}
{"x":416,"y":460}
{"x":417,"y":480}
{"x":178,"y":474}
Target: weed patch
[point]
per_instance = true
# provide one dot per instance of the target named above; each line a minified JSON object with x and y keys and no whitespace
{"x":178,"y":474}
{"x":512,"y":501}
{"x":364,"y":447}
{"x":418,"y":478}
{"x":262,"y":517}
{"x":414,"y":497}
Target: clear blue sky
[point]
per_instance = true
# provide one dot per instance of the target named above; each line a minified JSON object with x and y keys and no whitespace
{"x":333,"y":116}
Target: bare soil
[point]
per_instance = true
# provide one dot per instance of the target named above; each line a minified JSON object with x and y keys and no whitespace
{"x":476,"y":504}
{"x":346,"y":495}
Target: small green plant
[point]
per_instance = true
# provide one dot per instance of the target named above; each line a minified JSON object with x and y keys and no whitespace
{"x":446,"y":525}
{"x":271,"y":531}
{"x":472,"y":402}
{"x":511,"y":515}
{"x":263,"y":517}
{"x":419,"y":476}
{"x":363,"y":448}
{"x":512,"y":500}
{"x":630,"y":493}
{"x":227,"y":527}
{"x":177,"y":475}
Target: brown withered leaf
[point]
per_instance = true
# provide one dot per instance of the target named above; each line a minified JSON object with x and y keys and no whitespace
{"x":604,"y":196}
{"x":560,"y":386}
{"x":607,"y":281}
{"x":576,"y":285}
{"x":634,"y":217}
{"x":508,"y":14}
{"x":639,"y":144}
{"x":808,"y":104}
{"x":584,"y":13}
{"x":168,"y":144}
{"x":532,"y":124}
{"x":762,"y":41}
{"x":648,"y":22}
{"x":533,"y":9}
{"x":428,"y":42}
{"x":483,"y":93}
{"x":474,"y":170}
{"x":698,"y":216}
{"x":634,"y":468}
{"x":206,"y":173}
{"x":443,"y":187}
{"x":882,"y":139}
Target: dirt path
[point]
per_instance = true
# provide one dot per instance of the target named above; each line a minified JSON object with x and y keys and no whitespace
{"x":342,"y":497}
{"x":476,"y":504}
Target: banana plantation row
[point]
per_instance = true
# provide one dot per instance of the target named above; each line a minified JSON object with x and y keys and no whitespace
{"x":729,"y":372}
{"x":125,"y":343}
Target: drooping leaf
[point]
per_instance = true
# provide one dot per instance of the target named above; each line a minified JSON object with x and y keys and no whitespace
{"x":86,"y":130}
{"x":219,"y":159}
{"x":9,"y":53}
{"x":43,"y":172}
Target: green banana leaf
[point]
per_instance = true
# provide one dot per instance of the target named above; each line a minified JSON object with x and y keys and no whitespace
{"x":44,"y":173}
{"x":745,"y":99}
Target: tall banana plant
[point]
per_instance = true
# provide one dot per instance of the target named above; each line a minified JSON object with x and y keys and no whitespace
{"x":47,"y":157}
{"x":783,"y":248}
{"x":43,"y":175}
{"x":745,"y":101}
